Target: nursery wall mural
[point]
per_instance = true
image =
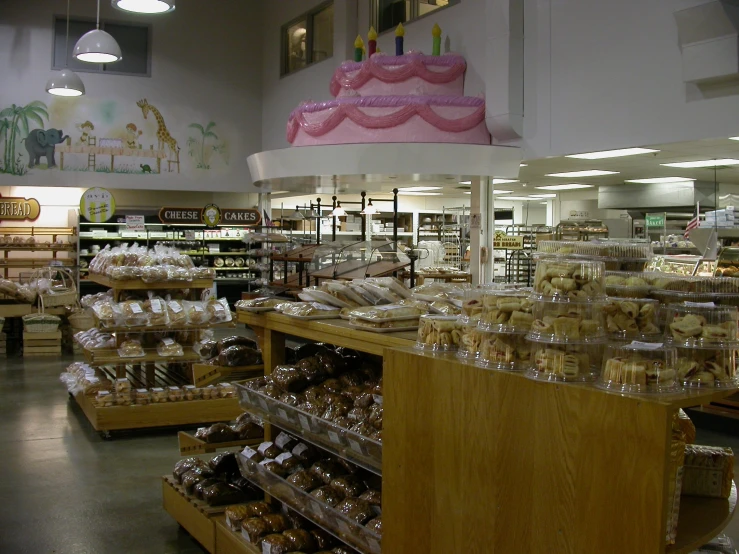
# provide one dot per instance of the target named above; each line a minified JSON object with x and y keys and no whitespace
{"x":108,"y":136}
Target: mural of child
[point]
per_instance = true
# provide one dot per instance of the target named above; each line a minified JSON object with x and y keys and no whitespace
{"x":85,"y":128}
{"x":132,"y":136}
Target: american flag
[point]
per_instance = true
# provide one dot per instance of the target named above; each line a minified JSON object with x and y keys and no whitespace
{"x":267,"y":219}
{"x":693,"y":223}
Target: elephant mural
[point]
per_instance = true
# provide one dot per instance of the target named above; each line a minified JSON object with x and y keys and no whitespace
{"x":42,"y":143}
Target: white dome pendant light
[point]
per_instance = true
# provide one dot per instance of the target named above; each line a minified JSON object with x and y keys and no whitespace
{"x":67,"y":82}
{"x":144,"y":6}
{"x":97,"y":46}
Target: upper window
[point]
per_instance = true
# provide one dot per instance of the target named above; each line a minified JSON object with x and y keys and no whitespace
{"x":134,"y":41}
{"x":308,"y":39}
{"x":388,"y":13}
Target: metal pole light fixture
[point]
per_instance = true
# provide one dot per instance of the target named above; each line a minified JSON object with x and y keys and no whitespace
{"x":144,"y":6}
{"x":97,"y":46}
{"x":66,"y":82}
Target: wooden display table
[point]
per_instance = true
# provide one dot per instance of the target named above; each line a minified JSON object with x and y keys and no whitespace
{"x":486,"y":461}
{"x":194,"y":515}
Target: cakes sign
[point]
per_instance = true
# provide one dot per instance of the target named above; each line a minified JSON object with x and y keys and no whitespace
{"x":19,"y":209}
{"x":195,"y":216}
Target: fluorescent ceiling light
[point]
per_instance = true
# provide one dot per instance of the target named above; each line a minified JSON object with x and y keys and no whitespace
{"x":274,"y":192}
{"x":523,"y":165}
{"x":412,"y":193}
{"x":612,"y":153}
{"x":704,"y":163}
{"x":502,"y":191}
{"x":503,"y":181}
{"x":465,"y":182}
{"x":543,"y":196}
{"x":586,"y":173}
{"x":466,"y":192}
{"x":543,"y":203}
{"x":569,"y":186}
{"x":733,"y":138}
{"x":659,"y":180}
{"x":419,"y":189}
{"x":519,"y":198}
{"x":144,"y":6}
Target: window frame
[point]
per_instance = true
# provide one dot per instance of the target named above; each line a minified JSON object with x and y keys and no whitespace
{"x":309,"y":30}
{"x":414,"y":16}
{"x":99,"y":68}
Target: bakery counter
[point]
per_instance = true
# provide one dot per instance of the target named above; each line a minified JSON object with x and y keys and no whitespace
{"x":540,"y":452}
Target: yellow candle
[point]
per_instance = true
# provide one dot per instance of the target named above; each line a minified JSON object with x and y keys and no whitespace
{"x":399,"y":34}
{"x":358,"y":49}
{"x":436,"y":33}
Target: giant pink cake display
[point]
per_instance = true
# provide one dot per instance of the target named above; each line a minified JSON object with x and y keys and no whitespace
{"x":408,"y":98}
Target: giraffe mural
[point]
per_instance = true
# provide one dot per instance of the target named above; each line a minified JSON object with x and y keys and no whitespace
{"x":163,"y":136}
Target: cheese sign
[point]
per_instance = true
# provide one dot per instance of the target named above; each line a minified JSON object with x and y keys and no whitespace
{"x":19,"y":209}
{"x":505,"y":242}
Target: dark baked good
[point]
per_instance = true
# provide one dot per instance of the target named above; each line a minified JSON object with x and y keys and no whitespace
{"x":257,"y":509}
{"x":208,"y":349}
{"x":278,"y":544}
{"x":331,"y":362}
{"x":219,"y":432}
{"x":307,"y":453}
{"x":248,"y":430}
{"x":372,"y":496}
{"x":311,"y":349}
{"x":234,"y":516}
{"x":342,"y":550}
{"x":297,"y":521}
{"x":202,"y":485}
{"x":352,"y":379}
{"x":314,"y":393}
{"x":349,"y":485}
{"x":289,"y":378}
{"x":375,"y":525}
{"x":239,"y":356}
{"x":246,"y":486}
{"x":322,"y":539}
{"x":327,"y":470}
{"x":250,"y":454}
{"x":277,"y":522}
{"x":301,"y":539}
{"x":304,"y":480}
{"x":285,"y":442}
{"x":236,"y":341}
{"x":292,"y":398}
{"x":255,"y":528}
{"x":190,"y":479}
{"x":224,"y":463}
{"x":185,"y":465}
{"x":311,"y":369}
{"x":315,"y":408}
{"x":364,"y":400}
{"x":333,"y":385}
{"x":358,"y":414}
{"x":269,"y":450}
{"x":343,"y":421}
{"x":289,"y":462}
{"x":271,"y":390}
{"x":328,"y":495}
{"x":274,"y":467}
{"x":255,"y":384}
{"x":358,"y":510}
{"x":347,"y":465}
{"x":223,"y":493}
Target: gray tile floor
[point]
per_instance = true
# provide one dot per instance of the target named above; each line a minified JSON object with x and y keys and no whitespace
{"x":64,"y":490}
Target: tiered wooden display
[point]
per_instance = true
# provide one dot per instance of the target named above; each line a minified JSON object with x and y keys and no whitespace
{"x":190,"y":445}
{"x":153,"y":371}
{"x":42,"y":344}
{"x":484,"y":461}
{"x":8,"y":262}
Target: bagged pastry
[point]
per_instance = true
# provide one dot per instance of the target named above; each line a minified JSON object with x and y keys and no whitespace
{"x":304,"y":480}
{"x":156,"y":310}
{"x":301,"y":540}
{"x":236,"y":341}
{"x":206,"y":349}
{"x":195,"y":312}
{"x":276,"y":544}
{"x":235,"y":356}
{"x":218,"y":310}
{"x":358,"y":510}
{"x":169,"y":348}
{"x":131,"y":349}
{"x":176,"y":313}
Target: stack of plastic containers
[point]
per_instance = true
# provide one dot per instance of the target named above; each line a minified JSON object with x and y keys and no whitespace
{"x":505,"y":319}
{"x":569,"y":332}
{"x":706,"y":341}
{"x":639,"y":367}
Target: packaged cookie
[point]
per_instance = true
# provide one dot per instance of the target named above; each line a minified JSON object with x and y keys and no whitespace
{"x":191,"y":392}
{"x":104,"y":399}
{"x":507,"y":311}
{"x":226,"y":390}
{"x":701,"y":325}
{"x":438,"y":332}
{"x":141,"y":397}
{"x":158,"y":395}
{"x":123,"y":386}
{"x":506,"y":351}
{"x":565,"y":362}
{"x":707,"y":367}
{"x":209,"y":392}
{"x":639,"y":367}
{"x":469,"y":344}
{"x":562,"y":321}
{"x":632,"y":319}
{"x":626,"y":284}
{"x":569,"y":278}
{"x":174,"y":394}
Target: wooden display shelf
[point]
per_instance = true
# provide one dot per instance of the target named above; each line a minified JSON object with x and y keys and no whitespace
{"x":14,"y":263}
{"x":191,"y":445}
{"x":303,"y":254}
{"x":39,"y":231}
{"x":164,"y":328}
{"x":194,"y":515}
{"x":357,"y":269}
{"x":15,"y":310}
{"x":725,"y":407}
{"x":205,"y":374}
{"x":167,"y":414}
{"x":38,"y":248}
{"x":577,"y":464}
{"x":138,"y":284}
{"x":700,"y":520}
{"x":228,"y":542}
{"x":111,"y":357}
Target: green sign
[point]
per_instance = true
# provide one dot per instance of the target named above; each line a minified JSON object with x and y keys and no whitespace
{"x":655,"y":220}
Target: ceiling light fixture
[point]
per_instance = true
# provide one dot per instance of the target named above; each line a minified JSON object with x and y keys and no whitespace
{"x":586,"y":173}
{"x":411,"y":189}
{"x":275,"y":192}
{"x":370,"y":209}
{"x":523,"y":165}
{"x":296,"y":215}
{"x":704,"y":163}
{"x":97,"y":46}
{"x":412,"y":193}
{"x":67,"y":82}
{"x":543,"y":196}
{"x":144,"y":6}
{"x":502,"y":191}
{"x":338,"y":210}
{"x":519,"y":198}
{"x":466,"y":192}
{"x":503,"y":181}
{"x":733,"y":138}
{"x":569,"y":186}
{"x":652,"y":180}
{"x":612,"y":153}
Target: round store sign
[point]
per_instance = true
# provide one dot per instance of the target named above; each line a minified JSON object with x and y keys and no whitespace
{"x":97,"y":205}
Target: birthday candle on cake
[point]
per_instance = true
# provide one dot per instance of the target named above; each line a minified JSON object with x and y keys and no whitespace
{"x":399,"y":34}
{"x":358,"y":49}
{"x":371,"y":42}
{"x":436,"y":33}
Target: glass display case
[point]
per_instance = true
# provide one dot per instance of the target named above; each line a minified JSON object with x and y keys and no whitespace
{"x":679,"y":265}
{"x":727,"y":264}
{"x":581,"y":229}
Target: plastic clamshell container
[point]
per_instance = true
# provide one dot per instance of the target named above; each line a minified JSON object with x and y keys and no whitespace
{"x":695,"y":324}
{"x":565,"y":362}
{"x":569,"y":278}
{"x":633,"y":319}
{"x":439,"y":332}
{"x":365,"y":451}
{"x":707,"y":367}
{"x":469,"y":344}
{"x":562,"y":322}
{"x":332,"y":520}
{"x":507,"y":311}
{"x":639,"y":367}
{"x":504,"y":351}
{"x":386,"y":312}
{"x":627,"y":284}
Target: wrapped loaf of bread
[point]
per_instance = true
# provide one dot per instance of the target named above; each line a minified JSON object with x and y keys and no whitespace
{"x":708,"y":471}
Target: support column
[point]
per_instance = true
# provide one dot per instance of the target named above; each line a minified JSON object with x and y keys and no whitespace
{"x":476,"y":230}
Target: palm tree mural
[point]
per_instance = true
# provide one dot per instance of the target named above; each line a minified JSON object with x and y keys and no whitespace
{"x":199,"y":149}
{"x":19,"y":123}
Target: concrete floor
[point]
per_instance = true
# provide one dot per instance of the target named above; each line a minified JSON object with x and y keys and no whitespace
{"x":65,"y":490}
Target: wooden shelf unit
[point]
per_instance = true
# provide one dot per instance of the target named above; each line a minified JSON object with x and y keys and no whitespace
{"x":190,"y":445}
{"x":8,"y":262}
{"x":474,"y":459}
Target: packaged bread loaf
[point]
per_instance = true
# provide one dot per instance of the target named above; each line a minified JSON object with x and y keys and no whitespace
{"x":235,"y":356}
{"x":195,"y":312}
{"x":176,"y":313}
{"x":218,"y":310}
{"x":708,"y":471}
{"x":131,"y":349}
{"x":169,"y":348}
{"x":157,"y":312}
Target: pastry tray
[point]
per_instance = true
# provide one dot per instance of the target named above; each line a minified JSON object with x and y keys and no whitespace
{"x":365,"y":451}
{"x":257,"y":310}
{"x":313,"y":317}
{"x":351,"y":532}
{"x":387,"y":319}
{"x":383,"y":329}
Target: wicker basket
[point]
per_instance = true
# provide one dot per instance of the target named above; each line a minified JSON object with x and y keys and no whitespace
{"x":41,"y":323}
{"x":81,"y":320}
{"x":63,"y":291}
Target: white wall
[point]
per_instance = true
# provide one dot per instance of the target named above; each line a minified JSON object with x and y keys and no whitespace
{"x":206,"y":66}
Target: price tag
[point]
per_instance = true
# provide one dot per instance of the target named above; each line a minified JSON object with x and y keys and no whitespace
{"x":167,"y":341}
{"x":282,"y":414}
{"x":646,"y":345}
{"x":354,"y":445}
{"x":175,"y":306}
{"x":263,"y":404}
{"x":135,"y":308}
{"x":700,"y":304}
{"x":334,"y":437}
{"x":304,"y":423}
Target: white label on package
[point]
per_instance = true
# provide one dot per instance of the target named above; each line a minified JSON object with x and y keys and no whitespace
{"x":700,"y":304}
{"x":175,"y":306}
{"x":282,"y":440}
{"x":334,"y":437}
{"x":197,"y":307}
{"x":283,"y":457}
{"x":264,"y":446}
{"x":377,"y":398}
{"x":304,"y":423}
{"x":167,"y":341}
{"x":300,"y":449}
{"x":355,"y":446}
{"x":266,"y":548}
{"x":156,"y":306}
{"x":387,"y":307}
{"x":135,"y":308}
{"x":319,"y":306}
{"x":646,"y":345}
{"x":248,"y":452}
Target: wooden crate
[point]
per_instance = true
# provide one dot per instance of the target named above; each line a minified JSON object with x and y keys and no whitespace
{"x":228,"y":542}
{"x":190,"y":444}
{"x":42,"y":344}
{"x":194,"y":515}
{"x":205,"y":374}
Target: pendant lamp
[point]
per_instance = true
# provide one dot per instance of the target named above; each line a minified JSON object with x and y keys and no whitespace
{"x":296,"y":215}
{"x":97,"y":46}
{"x":338,"y":211}
{"x":66,"y":82}
{"x":370,"y":209}
{"x":144,"y":6}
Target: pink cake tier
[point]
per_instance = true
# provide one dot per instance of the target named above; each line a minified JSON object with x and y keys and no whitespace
{"x":370,"y":119}
{"x":412,"y":73}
